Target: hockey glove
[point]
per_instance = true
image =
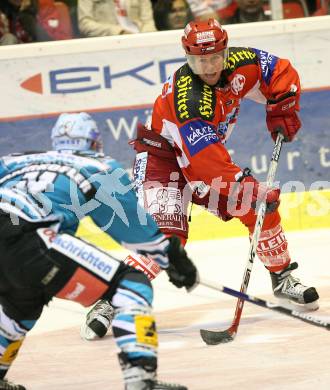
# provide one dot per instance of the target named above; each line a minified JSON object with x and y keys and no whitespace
{"x":282,"y":117}
{"x":251,"y":192}
{"x":181,"y":271}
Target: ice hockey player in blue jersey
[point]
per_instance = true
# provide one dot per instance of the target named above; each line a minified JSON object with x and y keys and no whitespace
{"x":43,"y":196}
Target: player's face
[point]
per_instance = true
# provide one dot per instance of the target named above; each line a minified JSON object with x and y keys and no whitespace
{"x":208,"y":67}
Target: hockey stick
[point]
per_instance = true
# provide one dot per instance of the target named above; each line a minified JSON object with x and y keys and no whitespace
{"x":266,"y":304}
{"x":218,"y":337}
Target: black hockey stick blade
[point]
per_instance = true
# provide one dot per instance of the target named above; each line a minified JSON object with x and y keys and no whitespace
{"x":212,"y":337}
{"x":219,"y":337}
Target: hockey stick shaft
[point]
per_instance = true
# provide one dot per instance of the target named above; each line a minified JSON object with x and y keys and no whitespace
{"x":266,"y":304}
{"x":256,"y":233}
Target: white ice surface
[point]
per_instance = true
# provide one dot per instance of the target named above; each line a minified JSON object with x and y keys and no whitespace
{"x":217,"y":260}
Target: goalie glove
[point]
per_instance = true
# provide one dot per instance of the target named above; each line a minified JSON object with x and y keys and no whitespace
{"x":282,"y":117}
{"x":181,"y":270}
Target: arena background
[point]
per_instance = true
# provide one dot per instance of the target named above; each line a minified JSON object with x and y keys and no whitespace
{"x":116,"y":79}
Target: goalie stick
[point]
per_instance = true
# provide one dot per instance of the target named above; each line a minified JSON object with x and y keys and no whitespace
{"x":219,"y":337}
{"x":306,"y":317}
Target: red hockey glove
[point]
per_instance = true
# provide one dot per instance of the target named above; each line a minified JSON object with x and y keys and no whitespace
{"x":282,"y":117}
{"x":252,"y":192}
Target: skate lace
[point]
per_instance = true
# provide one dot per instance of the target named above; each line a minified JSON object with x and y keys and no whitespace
{"x":102,"y":308}
{"x":293,"y":286}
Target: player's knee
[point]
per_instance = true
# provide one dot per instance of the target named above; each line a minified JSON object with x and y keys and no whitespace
{"x":134,"y":288}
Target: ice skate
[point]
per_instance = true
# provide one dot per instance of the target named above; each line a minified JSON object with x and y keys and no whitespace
{"x":5,"y":385}
{"x":143,"y":376}
{"x":154,"y":385}
{"x":98,"y":321}
{"x":287,"y":287}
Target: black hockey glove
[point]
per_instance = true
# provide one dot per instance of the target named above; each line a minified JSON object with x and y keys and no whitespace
{"x":181,"y":270}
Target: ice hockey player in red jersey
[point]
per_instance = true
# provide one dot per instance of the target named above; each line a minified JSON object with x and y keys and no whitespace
{"x":182,"y":157}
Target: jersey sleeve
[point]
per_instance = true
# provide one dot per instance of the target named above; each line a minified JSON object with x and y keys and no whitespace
{"x":260,"y":75}
{"x":278,"y":76}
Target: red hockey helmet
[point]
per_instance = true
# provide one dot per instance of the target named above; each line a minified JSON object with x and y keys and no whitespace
{"x":204,"y":37}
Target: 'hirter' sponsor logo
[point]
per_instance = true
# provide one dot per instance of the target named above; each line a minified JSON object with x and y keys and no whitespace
{"x":184,"y":85}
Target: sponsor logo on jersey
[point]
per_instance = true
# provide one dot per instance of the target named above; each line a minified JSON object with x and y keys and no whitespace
{"x":79,"y":288}
{"x":145,"y":264}
{"x":184,"y":85}
{"x":198,"y":135}
{"x":192,"y":98}
{"x":165,"y":206}
{"x":237,"y":83}
{"x":206,"y":108}
{"x":83,"y":287}
{"x":139,"y":175}
{"x":86,"y":255}
{"x":267,"y":63}
{"x":47,"y":235}
{"x":239,"y":56}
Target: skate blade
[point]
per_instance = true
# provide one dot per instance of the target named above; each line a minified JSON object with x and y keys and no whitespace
{"x":301,"y":308}
{"x":87,"y":333}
